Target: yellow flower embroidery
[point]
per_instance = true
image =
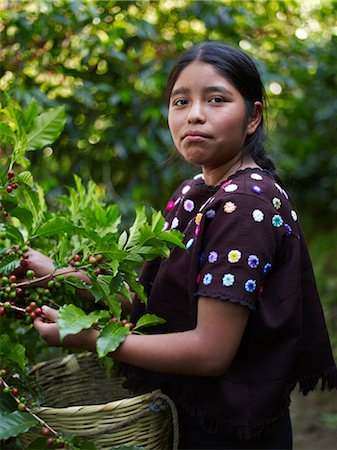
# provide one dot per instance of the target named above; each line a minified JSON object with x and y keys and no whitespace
{"x":229,"y":207}
{"x":234,"y":256}
{"x":198,"y":218}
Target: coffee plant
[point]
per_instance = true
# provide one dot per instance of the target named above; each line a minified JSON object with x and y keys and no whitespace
{"x":91,"y":253}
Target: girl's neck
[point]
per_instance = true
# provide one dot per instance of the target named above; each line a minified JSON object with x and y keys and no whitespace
{"x":213,"y":177}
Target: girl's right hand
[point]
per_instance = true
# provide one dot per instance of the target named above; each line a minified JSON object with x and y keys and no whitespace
{"x":41,"y":264}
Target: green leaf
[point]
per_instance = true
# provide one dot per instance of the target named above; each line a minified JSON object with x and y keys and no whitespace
{"x":24,"y":216}
{"x":14,"y":423}
{"x":13,"y":352}
{"x":111,"y":336}
{"x":54,"y":226}
{"x":25,"y":177}
{"x":149,"y":320}
{"x":31,"y":113}
{"x":9,"y":263}
{"x":47,"y":127}
{"x":122,"y":240}
{"x":7,"y":135}
{"x":71,"y":319}
{"x":12,"y":233}
{"x":134,"y":229}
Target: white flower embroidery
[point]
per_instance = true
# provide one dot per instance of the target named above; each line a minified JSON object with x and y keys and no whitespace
{"x":258,"y":215}
{"x":175,"y":222}
{"x":231,"y":187}
{"x":256,"y":176}
{"x":294,"y":215}
{"x":185,"y":189}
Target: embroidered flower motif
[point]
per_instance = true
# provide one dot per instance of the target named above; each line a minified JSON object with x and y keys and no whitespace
{"x":198,"y":278}
{"x":188,"y":205}
{"x":228,"y":279}
{"x":277,"y":203}
{"x":165,"y":227}
{"x":170,"y":205}
{"x":229,"y":207}
{"x":294,"y":215}
{"x":212,"y":257}
{"x":189,"y":243}
{"x":231,"y":187}
{"x":258,"y":215}
{"x":185,"y":189}
{"x":277,"y":221}
{"x":202,"y":257}
{"x":250,"y":285}
{"x":256,"y":176}
{"x":198,"y":218}
{"x":234,"y":256}
{"x":253,"y":261}
{"x":175,"y":222}
{"x":278,"y":187}
{"x":199,"y":175}
{"x":208,"y":278}
{"x":210,"y":214}
{"x":177,"y":201}
{"x":226,"y":183}
{"x":256,"y":189}
{"x":267,"y":268}
{"x":197,"y":230}
{"x":288,"y":229}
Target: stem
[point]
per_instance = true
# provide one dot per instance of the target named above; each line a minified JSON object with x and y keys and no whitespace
{"x":42,"y":422}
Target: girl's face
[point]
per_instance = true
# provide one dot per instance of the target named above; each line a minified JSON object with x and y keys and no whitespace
{"x":207,"y":118}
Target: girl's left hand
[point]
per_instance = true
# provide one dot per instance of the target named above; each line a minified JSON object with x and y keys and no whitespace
{"x":47,"y":327}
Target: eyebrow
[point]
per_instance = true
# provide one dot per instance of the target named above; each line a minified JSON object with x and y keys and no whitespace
{"x":207,"y":89}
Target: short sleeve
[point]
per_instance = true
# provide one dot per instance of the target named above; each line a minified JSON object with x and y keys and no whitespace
{"x":238,"y":241}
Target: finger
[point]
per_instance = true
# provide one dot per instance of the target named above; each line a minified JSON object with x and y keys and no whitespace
{"x":49,"y":313}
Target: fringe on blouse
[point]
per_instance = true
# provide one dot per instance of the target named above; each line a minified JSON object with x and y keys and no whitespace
{"x":236,"y":430}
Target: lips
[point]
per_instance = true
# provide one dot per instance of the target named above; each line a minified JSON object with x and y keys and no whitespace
{"x":194,"y":134}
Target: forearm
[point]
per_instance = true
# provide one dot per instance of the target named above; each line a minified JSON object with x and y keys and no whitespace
{"x":181,"y":353}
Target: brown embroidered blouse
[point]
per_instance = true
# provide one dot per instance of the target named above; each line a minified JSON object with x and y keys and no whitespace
{"x":244,"y":244}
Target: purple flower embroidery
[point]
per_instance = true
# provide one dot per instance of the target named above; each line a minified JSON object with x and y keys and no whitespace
{"x":288,"y":229}
{"x":256,"y":189}
{"x":208,"y":278}
{"x":188,"y":205}
{"x":253,"y":261}
{"x":210,"y":214}
{"x":212,"y":257}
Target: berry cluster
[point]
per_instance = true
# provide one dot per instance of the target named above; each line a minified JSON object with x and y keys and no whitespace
{"x":10,"y":186}
{"x":24,"y":403}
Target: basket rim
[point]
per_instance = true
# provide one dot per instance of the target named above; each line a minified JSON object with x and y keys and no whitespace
{"x":89,"y":409}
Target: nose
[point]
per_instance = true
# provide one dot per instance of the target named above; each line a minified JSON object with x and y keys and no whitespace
{"x":196,"y":113}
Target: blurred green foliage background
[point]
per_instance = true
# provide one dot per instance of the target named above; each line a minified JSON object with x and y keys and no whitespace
{"x":107,"y":63}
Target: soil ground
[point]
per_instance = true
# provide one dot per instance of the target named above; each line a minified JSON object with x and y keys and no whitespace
{"x":314,"y":420}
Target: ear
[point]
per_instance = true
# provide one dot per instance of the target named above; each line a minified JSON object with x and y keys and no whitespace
{"x":255,"y":120}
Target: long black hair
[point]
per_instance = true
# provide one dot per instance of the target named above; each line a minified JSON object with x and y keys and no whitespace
{"x":240,"y":70}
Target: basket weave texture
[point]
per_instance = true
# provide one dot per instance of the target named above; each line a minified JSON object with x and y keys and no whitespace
{"x":79,"y":398}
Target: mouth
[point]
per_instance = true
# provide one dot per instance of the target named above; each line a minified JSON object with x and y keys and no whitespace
{"x":195,"y":135}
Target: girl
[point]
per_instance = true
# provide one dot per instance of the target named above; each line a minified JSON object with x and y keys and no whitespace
{"x":244,"y":322}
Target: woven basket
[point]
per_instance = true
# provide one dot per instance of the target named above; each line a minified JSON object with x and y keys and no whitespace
{"x":81,"y":400}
